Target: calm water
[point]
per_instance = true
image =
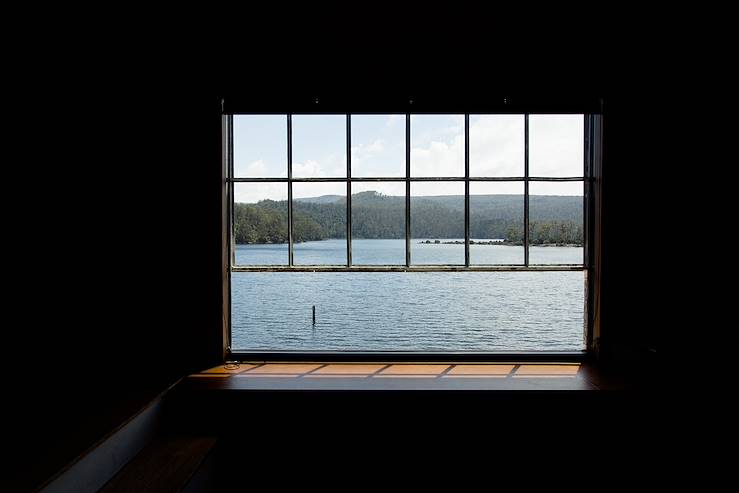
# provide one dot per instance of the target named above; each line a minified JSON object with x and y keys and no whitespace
{"x":420,"y":311}
{"x":390,"y":252}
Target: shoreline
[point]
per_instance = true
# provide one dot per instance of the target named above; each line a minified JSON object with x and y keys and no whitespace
{"x":438,"y":242}
{"x":498,"y":243}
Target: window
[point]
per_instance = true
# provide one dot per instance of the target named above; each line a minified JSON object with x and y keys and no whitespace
{"x":407,"y":232}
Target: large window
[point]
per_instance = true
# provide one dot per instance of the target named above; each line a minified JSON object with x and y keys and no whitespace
{"x":407,"y":232}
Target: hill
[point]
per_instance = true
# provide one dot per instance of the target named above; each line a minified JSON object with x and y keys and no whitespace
{"x":553,"y":219}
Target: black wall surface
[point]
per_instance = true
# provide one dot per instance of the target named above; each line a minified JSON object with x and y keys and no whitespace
{"x":123,"y":290}
{"x":637,"y":225}
{"x":124,"y":191}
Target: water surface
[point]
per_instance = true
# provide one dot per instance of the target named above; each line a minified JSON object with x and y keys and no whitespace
{"x":407,"y":311}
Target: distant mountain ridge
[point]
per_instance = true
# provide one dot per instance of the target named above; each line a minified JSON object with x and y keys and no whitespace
{"x":323,"y":199}
{"x":542,"y":207}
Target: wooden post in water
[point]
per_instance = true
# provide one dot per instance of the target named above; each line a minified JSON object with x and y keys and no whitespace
{"x":314,"y":314}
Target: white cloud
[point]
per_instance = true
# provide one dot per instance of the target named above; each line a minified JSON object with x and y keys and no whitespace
{"x":376,"y":146}
{"x":393,"y":120}
{"x":366,"y":153}
{"x":256,"y":168}
{"x":556,"y":145}
{"x":362,"y":150}
{"x":439,"y":158}
{"x":260,"y":168}
{"x":334,"y":165}
{"x":451,"y":130}
{"x":310,"y":168}
{"x":250,"y":193}
{"x":496,"y":149}
{"x":497,"y":145}
{"x":379,"y":158}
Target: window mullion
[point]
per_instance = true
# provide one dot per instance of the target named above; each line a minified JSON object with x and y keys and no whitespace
{"x":348,"y":190}
{"x":231,"y":257}
{"x":586,"y":188}
{"x":290,"y":189}
{"x":586,"y":230}
{"x":467,"y":190}
{"x":407,"y":190}
{"x":230,"y":188}
{"x":526,"y":192}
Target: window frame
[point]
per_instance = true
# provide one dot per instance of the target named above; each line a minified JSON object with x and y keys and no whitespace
{"x":592,"y":127}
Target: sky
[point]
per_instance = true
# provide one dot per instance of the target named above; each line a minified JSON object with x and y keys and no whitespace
{"x":378,"y":150}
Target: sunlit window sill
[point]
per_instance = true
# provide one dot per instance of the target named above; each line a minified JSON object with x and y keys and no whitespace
{"x":402,"y":376}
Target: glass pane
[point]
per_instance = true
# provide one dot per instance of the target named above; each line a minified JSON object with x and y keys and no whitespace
{"x":319,"y":146}
{"x":408,"y":311}
{"x":496,"y":223}
{"x":378,"y":223}
{"x":260,"y":223}
{"x":437,"y":223}
{"x":556,"y":222}
{"x":319,"y":223}
{"x":378,"y":145}
{"x":497,"y":145}
{"x":556,"y":145}
{"x":437,"y":145}
{"x":260,"y":146}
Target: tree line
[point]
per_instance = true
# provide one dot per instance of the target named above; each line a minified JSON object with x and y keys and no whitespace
{"x":553,"y":220}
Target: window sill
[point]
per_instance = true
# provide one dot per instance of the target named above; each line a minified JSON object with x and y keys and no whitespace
{"x":430,"y":377}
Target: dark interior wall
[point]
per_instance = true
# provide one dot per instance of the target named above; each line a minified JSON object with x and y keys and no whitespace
{"x":126,"y":296}
{"x":140,"y":237}
{"x":143,"y":237}
{"x":126,"y":196}
{"x":635,"y":215}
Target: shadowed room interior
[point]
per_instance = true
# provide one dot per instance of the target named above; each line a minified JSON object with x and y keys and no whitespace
{"x":129,"y":319}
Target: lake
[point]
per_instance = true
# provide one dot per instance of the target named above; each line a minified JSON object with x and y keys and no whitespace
{"x":407,"y":311}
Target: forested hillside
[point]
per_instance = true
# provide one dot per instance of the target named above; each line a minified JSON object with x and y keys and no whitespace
{"x":553,"y":219}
